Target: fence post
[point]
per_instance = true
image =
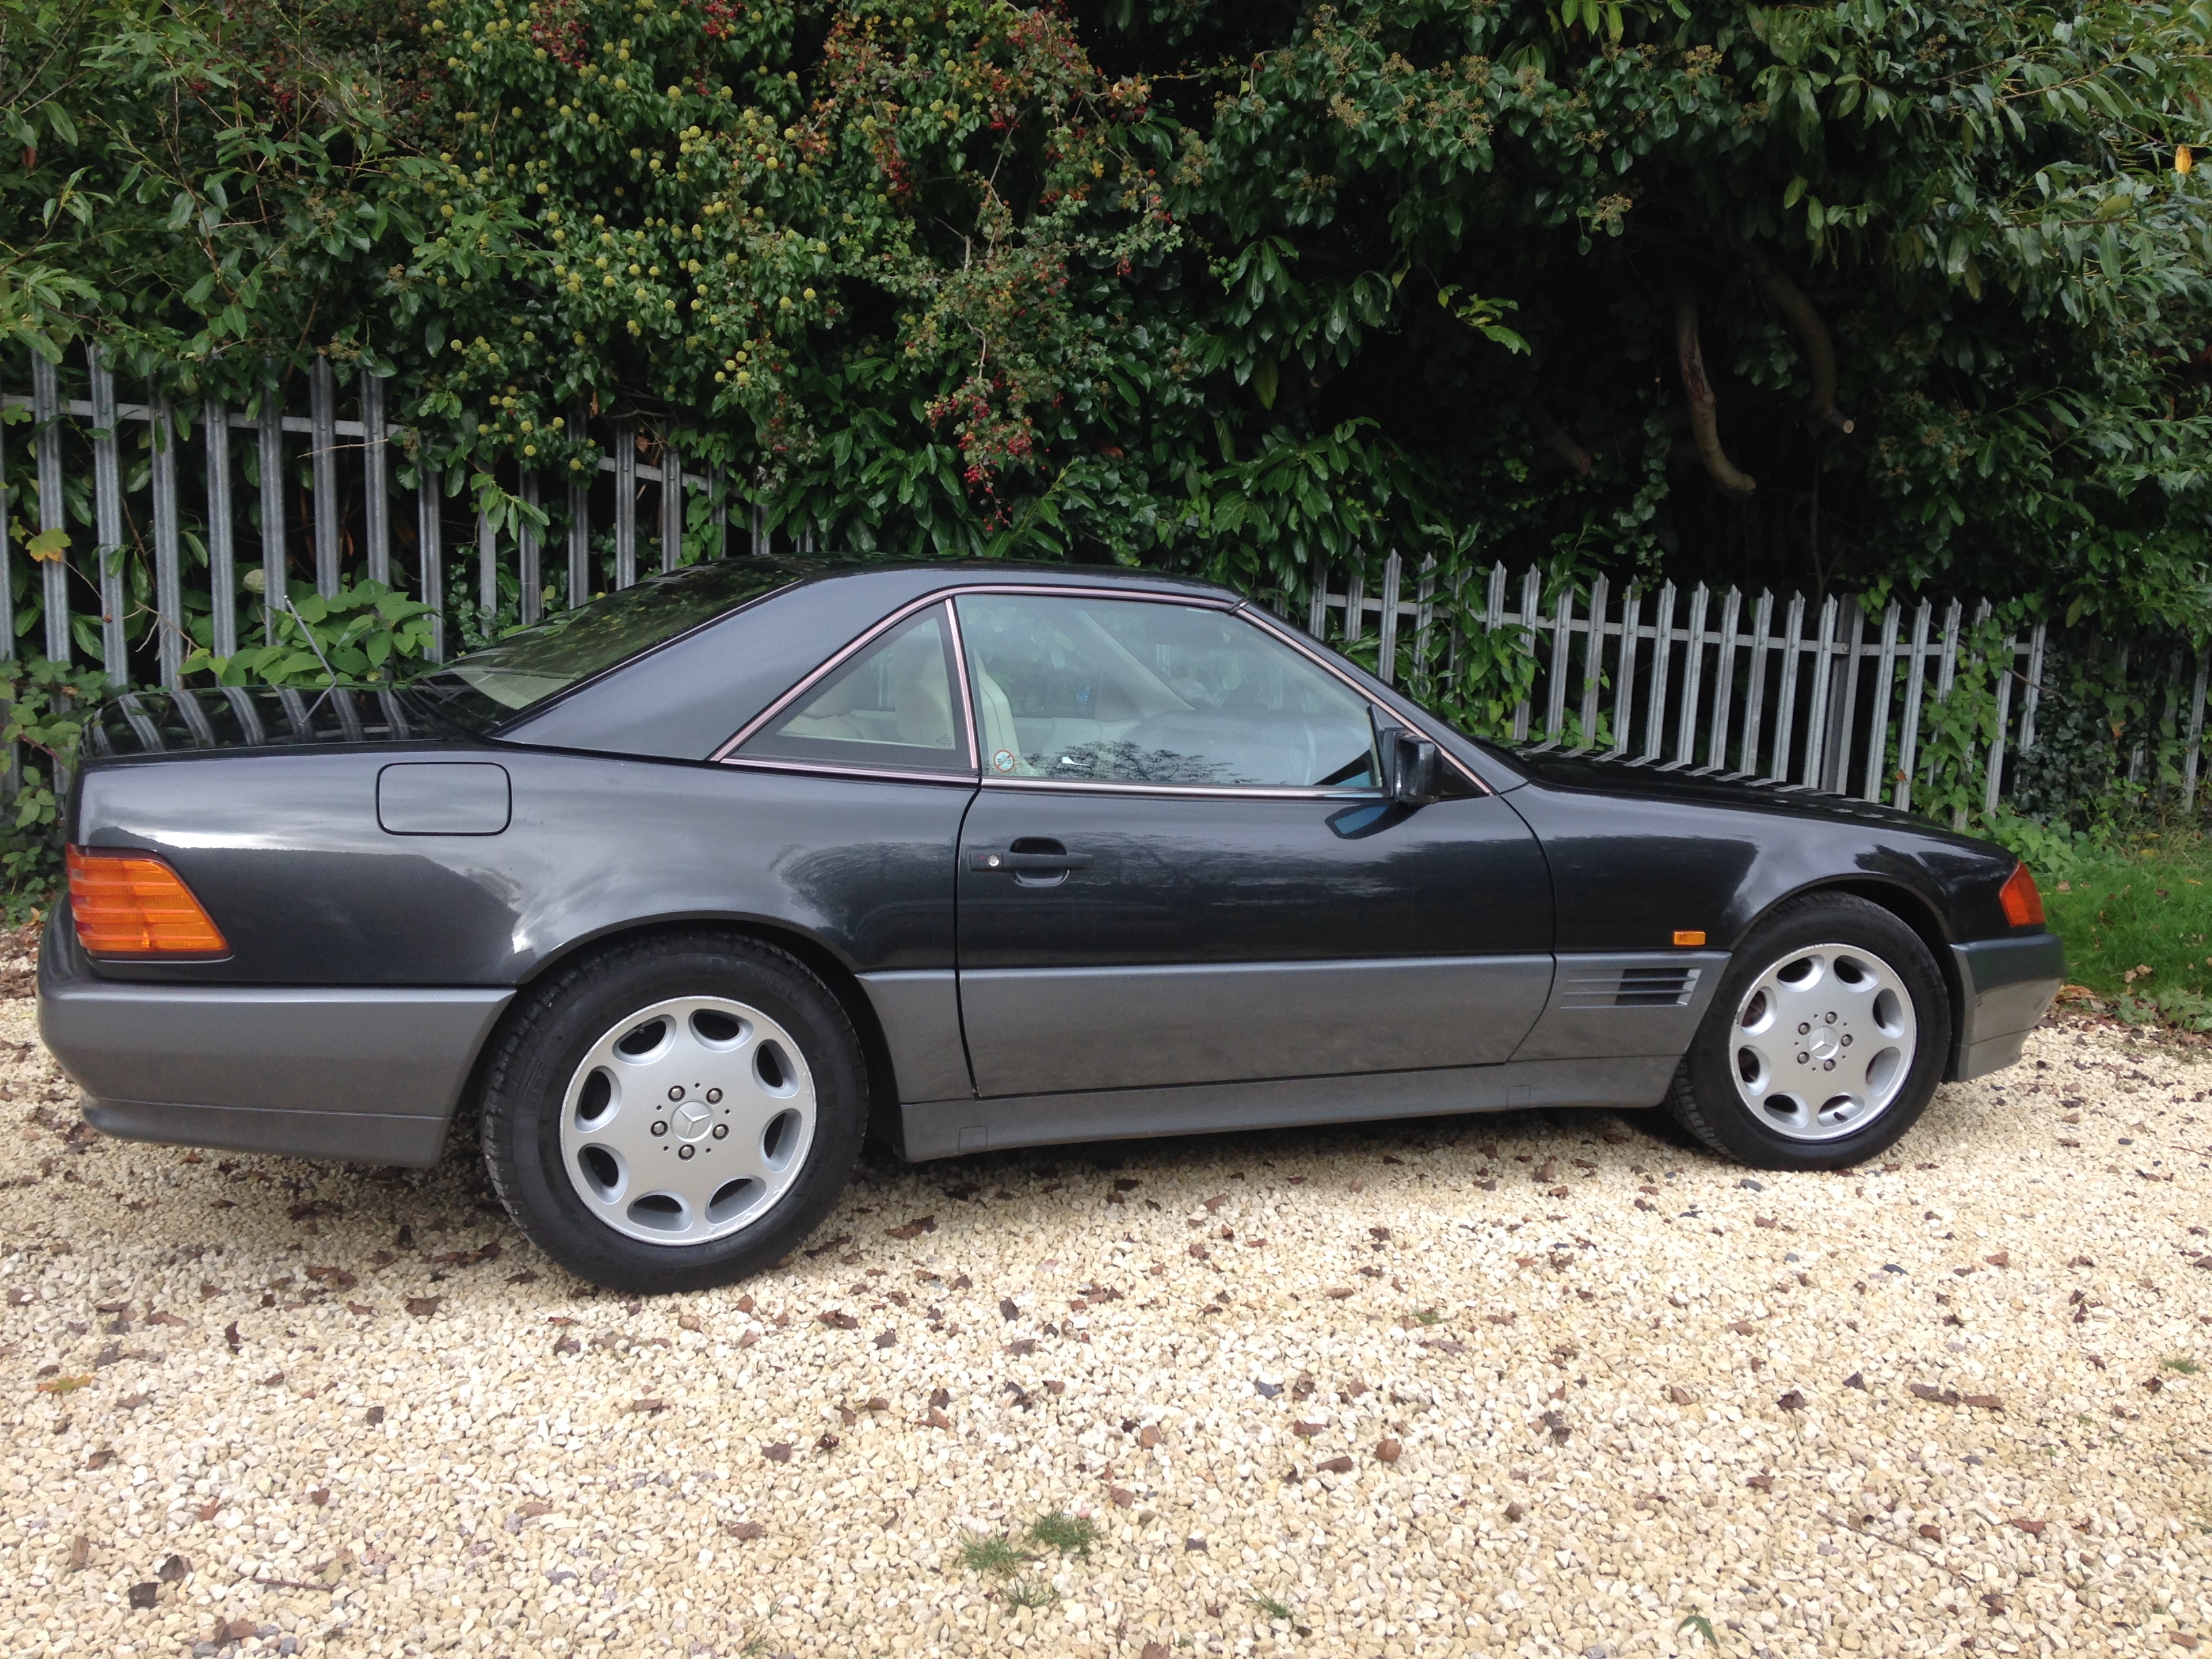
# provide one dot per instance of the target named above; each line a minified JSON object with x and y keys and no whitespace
{"x":429,"y":531}
{"x":1843,"y":710}
{"x":1762,"y":630}
{"x":322,"y":401}
{"x":532,"y":580}
{"x":107,"y":518}
{"x":271,"y":432}
{"x":1916,"y":684}
{"x":1813,"y":769}
{"x":1593,"y":662}
{"x":1724,"y":682}
{"x":1532,"y":605}
{"x":1624,"y":706}
{"x":46,"y":411}
{"x":1563,"y":639}
{"x":2004,"y":714}
{"x":168,"y":563}
{"x":2196,"y":734}
{"x":223,"y":557}
{"x":625,"y":504}
{"x":2033,"y":695}
{"x":672,"y":506}
{"x":1785,"y":714}
{"x":376,"y":483}
{"x":487,"y":571}
{"x":1694,"y":678}
{"x":1387,"y":642}
{"x":1654,"y":707}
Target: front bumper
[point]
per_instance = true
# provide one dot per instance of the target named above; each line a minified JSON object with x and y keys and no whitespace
{"x":368,"y":1073}
{"x":2005,"y":987}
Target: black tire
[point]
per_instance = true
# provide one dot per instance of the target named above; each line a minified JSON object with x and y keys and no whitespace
{"x":542,"y":1045}
{"x":1704,"y":1098}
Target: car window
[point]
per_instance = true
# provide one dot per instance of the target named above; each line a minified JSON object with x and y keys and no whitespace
{"x":1126,"y":691}
{"x":891,"y":706}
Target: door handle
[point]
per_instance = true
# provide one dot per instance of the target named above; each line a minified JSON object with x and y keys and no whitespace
{"x":1027,"y":864}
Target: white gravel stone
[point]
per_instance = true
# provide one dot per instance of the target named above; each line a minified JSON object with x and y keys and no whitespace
{"x":1528,"y":1385}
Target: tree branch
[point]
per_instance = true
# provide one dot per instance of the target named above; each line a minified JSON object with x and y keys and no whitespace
{"x":1811,"y":333}
{"x":1705,"y":422}
{"x":1555,"y":438}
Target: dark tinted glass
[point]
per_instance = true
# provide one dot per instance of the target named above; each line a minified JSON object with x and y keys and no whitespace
{"x":498,"y":682}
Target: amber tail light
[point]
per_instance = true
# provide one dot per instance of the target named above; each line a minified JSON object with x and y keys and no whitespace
{"x":129,"y":904}
{"x":2023,"y":905}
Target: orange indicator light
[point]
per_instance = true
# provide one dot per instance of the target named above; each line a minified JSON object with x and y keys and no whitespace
{"x":1689,"y":936}
{"x":134,"y":905}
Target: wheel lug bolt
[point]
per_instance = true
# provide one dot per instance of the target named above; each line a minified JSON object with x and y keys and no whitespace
{"x":1832,"y":1020}
{"x":685,"y":1151}
{"x":1802,"y":1058}
{"x":660,"y":1128}
{"x":1803,"y":1027}
{"x":1847,"y":1041}
{"x":714,"y":1096}
{"x":676,"y":1092}
{"x":721,"y":1132}
{"x":1829,"y":1066}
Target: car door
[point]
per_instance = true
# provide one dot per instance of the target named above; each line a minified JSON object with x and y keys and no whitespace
{"x":1181,"y":867}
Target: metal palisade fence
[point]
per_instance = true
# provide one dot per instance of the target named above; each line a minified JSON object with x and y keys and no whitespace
{"x":1799,"y":692}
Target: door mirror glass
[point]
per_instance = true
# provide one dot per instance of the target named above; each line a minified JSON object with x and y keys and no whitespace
{"x":1131,"y":691}
{"x":889,"y":708}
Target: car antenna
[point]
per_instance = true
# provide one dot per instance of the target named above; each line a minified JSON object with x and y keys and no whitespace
{"x":308,"y":634}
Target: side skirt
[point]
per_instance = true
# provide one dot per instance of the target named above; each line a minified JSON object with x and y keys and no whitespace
{"x":945,"y":1128}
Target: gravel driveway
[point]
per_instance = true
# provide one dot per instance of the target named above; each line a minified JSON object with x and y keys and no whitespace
{"x":1535,"y":1384}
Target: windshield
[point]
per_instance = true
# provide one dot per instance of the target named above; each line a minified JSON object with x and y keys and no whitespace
{"x":493,"y":685}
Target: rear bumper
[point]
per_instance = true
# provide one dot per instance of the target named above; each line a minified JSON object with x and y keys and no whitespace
{"x":2006,"y":985}
{"x":365,"y":1073}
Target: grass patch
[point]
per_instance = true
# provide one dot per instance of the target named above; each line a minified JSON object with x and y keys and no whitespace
{"x":991,"y":1553}
{"x":2138,"y":923}
{"x":1272,"y":1607}
{"x":2182,"y":1363}
{"x":1071,"y":1534}
{"x":1031,"y":1593}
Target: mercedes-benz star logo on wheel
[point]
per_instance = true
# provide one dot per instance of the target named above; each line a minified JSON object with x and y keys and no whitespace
{"x":692,"y":1120}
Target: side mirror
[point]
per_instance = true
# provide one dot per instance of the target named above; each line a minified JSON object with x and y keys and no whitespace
{"x":1412,"y":768}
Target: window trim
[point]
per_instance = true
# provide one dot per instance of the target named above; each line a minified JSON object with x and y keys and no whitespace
{"x":1270,"y":626}
{"x":972,"y":765}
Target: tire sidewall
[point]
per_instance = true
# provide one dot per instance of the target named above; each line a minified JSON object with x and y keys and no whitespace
{"x":528,"y":1087}
{"x":1831,"y":919}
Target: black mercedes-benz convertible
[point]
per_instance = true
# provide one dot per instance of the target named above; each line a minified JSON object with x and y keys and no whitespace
{"x":688,"y":889}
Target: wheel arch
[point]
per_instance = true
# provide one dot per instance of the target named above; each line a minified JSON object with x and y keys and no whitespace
{"x":823,"y":962}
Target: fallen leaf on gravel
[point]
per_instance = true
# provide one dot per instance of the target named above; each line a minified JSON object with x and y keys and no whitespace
{"x":1764,"y":1482}
{"x":1021,"y":1346}
{"x":1148,"y":1436}
{"x":231,"y":1336}
{"x":913,"y":1228}
{"x":1337,"y":1466}
{"x":837,"y":1319}
{"x":165,"y":1318}
{"x":1933,"y":1534}
{"x":2001,"y":1259}
{"x":1267,"y":1390}
{"x":80,"y":1553}
{"x":273,"y":1379}
{"x":375,"y":1415}
{"x":1307,"y":1430}
{"x":887,"y":1339}
{"x":1679,"y":1395}
{"x":1988,"y":1402}
{"x":533,"y":1508}
{"x":1337,"y":1292}
{"x":1934,"y":1395}
{"x":1154,"y":1650}
{"x":747,"y":1530}
{"x":1514,"y":1510}
{"x":648,"y":1405}
{"x":1213,"y":1205}
{"x":144,"y":1595}
{"x":1763,"y":1221}
{"x":236,"y":1629}
{"x":208,"y":1511}
{"x":1792,"y":1401}
{"x":2032,"y":1528}
{"x":836,"y":1243}
{"x":690,"y":1322}
{"x":938,"y":1420}
{"x":423,"y":1306}
{"x":1388,"y":1451}
{"x":1007,"y":1310}
{"x":1856,"y":1380}
{"x":1742,"y":1327}
{"x":1195,"y":1545}
{"x":63,"y":1384}
{"x":101,"y":1459}
{"x":525,"y":1277}
{"x":320,"y":1497}
{"x":569,"y":1345}
{"x":131,"y":1402}
{"x":1122,"y":1497}
{"x":1197,"y":1253}
{"x":1501,"y":1318}
{"x":826,"y":1443}
{"x":779,"y":1453}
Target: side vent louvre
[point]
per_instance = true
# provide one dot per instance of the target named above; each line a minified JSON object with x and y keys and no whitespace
{"x":1631,"y":987}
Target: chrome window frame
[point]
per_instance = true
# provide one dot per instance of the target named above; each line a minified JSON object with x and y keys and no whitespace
{"x":1268,"y":626}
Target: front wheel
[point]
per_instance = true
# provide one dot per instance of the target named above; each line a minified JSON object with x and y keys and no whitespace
{"x":1824,"y":1042}
{"x":674,"y":1113}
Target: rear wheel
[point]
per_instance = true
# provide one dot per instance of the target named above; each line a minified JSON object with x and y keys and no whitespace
{"x":674,"y":1113}
{"x":1825,"y":1041}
